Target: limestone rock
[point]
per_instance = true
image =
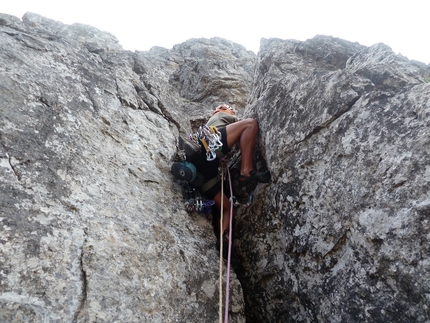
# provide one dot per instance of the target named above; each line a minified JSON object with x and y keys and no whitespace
{"x":93,"y":227}
{"x":194,"y":77}
{"x":342,"y":232}
{"x":92,"y":223}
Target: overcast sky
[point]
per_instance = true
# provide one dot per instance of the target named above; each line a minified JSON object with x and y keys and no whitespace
{"x":141,"y":24}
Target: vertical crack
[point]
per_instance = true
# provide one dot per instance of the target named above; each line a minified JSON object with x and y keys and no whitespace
{"x":18,"y":177}
{"x":168,"y":116}
{"x":80,"y":310}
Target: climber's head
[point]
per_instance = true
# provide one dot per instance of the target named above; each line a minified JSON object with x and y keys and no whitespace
{"x":224,"y":108}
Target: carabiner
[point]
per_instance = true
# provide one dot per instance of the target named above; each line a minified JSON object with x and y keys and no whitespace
{"x":210,"y":155}
{"x":218,"y":141}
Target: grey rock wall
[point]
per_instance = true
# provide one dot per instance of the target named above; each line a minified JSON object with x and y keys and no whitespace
{"x":192,"y":78}
{"x":342,"y":233}
{"x":92,"y":224}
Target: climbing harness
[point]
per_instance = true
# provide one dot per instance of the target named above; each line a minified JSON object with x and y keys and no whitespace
{"x":227,"y":286}
{"x":210,"y":138}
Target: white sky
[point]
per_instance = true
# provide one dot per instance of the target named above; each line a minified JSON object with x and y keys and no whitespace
{"x":139,"y":25}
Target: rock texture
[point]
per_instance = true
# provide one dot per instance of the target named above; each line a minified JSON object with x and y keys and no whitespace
{"x":187,"y":82}
{"x":92,"y":224}
{"x":342,"y":233}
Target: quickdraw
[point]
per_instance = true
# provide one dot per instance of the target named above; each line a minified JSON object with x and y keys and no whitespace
{"x":210,"y":138}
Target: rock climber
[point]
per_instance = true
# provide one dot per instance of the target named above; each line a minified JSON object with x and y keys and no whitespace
{"x":244,"y":132}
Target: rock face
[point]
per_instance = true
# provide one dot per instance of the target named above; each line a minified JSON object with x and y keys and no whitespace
{"x":342,"y":233}
{"x":187,"y":82}
{"x":92,"y":224}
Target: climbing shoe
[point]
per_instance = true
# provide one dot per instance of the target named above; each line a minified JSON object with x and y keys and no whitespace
{"x":190,"y":147}
{"x":184,"y":171}
{"x":255,"y":176}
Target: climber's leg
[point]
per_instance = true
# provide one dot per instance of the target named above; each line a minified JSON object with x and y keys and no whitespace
{"x":245,"y":133}
{"x":225,"y":225}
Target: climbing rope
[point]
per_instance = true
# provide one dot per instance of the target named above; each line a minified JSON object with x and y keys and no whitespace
{"x":227,"y":285}
{"x":221,"y":245}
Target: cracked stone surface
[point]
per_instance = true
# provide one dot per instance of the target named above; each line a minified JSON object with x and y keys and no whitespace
{"x":92,"y":224}
{"x":342,"y":232}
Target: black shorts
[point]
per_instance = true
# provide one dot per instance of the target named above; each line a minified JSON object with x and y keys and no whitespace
{"x":209,"y":169}
{"x":225,"y":150}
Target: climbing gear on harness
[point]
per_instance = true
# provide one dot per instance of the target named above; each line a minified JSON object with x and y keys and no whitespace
{"x":210,"y":138}
{"x":210,"y":154}
{"x":215,"y":138}
{"x":184,"y":171}
{"x":191,"y":180}
{"x":194,"y":201}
